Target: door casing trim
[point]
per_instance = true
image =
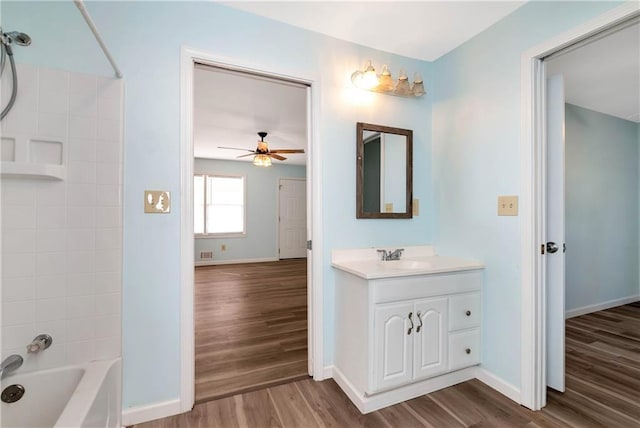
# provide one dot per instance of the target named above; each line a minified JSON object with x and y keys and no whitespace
{"x":188,"y":58}
{"x":533,"y":179}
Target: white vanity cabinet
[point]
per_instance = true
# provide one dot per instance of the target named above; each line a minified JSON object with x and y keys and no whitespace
{"x":401,"y":337}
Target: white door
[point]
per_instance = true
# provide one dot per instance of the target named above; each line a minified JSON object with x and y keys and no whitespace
{"x":554,"y":248}
{"x":394,"y":325}
{"x":292,"y":227}
{"x":430,"y":347}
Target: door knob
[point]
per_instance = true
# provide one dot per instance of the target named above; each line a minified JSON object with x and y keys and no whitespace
{"x":552,"y":247}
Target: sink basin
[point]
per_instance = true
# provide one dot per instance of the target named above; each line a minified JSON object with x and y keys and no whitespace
{"x":404,"y":265}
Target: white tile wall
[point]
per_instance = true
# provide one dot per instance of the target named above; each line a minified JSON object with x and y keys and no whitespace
{"x":62,"y":240}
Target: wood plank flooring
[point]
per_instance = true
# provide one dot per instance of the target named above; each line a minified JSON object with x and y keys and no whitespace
{"x":250,"y":326}
{"x":603,"y":390}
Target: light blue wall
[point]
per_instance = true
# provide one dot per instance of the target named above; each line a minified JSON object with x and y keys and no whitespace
{"x":145,"y":39}
{"x":601,"y":174}
{"x":261,"y":212}
{"x":476,"y":157}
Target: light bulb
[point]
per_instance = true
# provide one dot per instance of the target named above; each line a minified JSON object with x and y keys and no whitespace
{"x":403,"y":88}
{"x":369,"y":78}
{"x":386,"y":82}
{"x":418,"y":85}
{"x":262,"y":160}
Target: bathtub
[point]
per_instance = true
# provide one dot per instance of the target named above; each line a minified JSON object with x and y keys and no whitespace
{"x":68,"y":397}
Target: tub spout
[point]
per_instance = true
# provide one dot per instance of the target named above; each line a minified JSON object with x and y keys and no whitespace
{"x":40,"y":343}
{"x":11,"y":363}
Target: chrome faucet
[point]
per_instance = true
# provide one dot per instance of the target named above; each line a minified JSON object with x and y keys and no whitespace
{"x":395,"y":255}
{"x":391,"y":255}
{"x":11,"y":363}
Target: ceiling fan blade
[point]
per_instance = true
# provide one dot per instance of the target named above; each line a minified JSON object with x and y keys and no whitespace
{"x":244,"y":156}
{"x":287,"y":151}
{"x":273,"y":155}
{"x":235,"y":148}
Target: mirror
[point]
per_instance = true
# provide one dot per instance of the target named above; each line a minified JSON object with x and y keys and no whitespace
{"x":384,"y":184}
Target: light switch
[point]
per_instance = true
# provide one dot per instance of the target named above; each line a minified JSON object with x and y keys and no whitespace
{"x":157,"y":201}
{"x":416,"y":207}
{"x":507,"y":205}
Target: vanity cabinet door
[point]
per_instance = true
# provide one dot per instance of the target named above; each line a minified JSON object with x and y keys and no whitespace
{"x":430,"y":346}
{"x":394,"y":327}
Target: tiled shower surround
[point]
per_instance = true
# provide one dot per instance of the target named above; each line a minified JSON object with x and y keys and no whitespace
{"x":62,"y":239}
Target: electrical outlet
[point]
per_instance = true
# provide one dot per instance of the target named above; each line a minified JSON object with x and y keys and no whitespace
{"x":507,"y":205}
{"x":416,"y":207}
{"x":157,"y":202}
{"x":223,"y":247}
{"x":388,"y":207}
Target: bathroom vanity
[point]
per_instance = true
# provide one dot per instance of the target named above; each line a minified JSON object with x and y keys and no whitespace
{"x":406,"y":327}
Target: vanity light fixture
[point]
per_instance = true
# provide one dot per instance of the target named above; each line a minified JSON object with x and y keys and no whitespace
{"x":384,"y":83}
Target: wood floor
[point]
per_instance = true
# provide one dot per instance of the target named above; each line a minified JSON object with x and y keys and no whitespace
{"x":250,"y":326}
{"x":603,"y":390}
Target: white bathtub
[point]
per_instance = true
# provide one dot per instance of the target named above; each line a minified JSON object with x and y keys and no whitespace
{"x":68,"y":397}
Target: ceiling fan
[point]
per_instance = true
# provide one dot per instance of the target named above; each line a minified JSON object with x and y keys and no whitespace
{"x":262,"y":151}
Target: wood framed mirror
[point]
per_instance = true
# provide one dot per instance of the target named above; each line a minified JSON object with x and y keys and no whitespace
{"x":384,"y":179}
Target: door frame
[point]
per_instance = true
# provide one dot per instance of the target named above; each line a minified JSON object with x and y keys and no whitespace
{"x":189,"y":56}
{"x":533,"y":383}
{"x":278,"y":211}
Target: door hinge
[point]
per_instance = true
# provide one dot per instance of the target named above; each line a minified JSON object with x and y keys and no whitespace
{"x":309,"y":245}
{"x":542,"y":249}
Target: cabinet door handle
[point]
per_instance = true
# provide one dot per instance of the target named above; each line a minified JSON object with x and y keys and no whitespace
{"x":411,"y":321}
{"x":468,"y":313}
{"x":420,"y":321}
{"x":468,"y":351}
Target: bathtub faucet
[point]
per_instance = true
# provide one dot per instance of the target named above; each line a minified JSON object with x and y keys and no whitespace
{"x":39,"y":343}
{"x":11,"y":363}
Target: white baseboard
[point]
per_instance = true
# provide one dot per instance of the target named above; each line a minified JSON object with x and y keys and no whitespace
{"x":601,"y":306}
{"x":235,"y":261}
{"x":367,"y":404}
{"x":327,"y":372}
{"x":137,"y":415}
{"x":499,"y":384}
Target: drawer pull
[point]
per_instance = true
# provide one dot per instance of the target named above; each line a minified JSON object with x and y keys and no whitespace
{"x":468,"y":351}
{"x":468,"y":313}
{"x":420,"y":321}
{"x":411,"y":321}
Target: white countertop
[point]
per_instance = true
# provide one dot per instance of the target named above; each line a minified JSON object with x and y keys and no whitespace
{"x":419,"y":261}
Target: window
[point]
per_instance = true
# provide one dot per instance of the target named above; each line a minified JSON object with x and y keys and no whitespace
{"x":218,"y":205}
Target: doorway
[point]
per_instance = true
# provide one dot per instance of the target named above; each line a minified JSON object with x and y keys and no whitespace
{"x":190,"y":58}
{"x":534,"y":200}
{"x":250,"y":303}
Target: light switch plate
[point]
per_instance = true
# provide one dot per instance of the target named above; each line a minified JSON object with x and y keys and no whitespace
{"x":507,"y":205}
{"x":157,"y":201}
{"x":416,"y":207}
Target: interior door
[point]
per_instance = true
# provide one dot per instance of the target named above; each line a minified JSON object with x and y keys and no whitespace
{"x":292,"y":228}
{"x":554,"y":248}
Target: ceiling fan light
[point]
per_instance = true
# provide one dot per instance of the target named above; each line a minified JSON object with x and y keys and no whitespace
{"x":262,"y":160}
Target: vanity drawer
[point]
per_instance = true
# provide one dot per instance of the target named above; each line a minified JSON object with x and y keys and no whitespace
{"x":464,"y":311}
{"x":464,"y":349}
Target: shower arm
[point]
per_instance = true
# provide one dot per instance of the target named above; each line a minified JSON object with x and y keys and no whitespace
{"x":83,"y":10}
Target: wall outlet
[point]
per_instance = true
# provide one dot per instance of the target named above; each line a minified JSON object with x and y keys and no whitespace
{"x":388,"y":207}
{"x":416,"y":207}
{"x":223,"y":247}
{"x":507,"y":205}
{"x":157,"y":201}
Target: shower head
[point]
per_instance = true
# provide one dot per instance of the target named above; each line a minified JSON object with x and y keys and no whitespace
{"x":18,"y":38}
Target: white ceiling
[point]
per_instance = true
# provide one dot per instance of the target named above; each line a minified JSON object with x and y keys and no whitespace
{"x":231,"y":108}
{"x":417,"y":29}
{"x":604,"y":75}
